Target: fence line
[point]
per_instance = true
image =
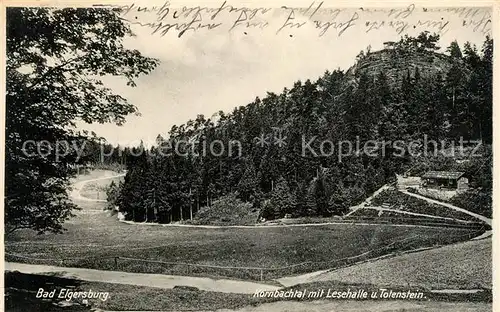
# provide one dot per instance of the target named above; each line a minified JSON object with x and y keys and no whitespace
{"x":383,"y":220}
{"x":212,"y":266}
{"x":346,"y":260}
{"x":422,"y":215}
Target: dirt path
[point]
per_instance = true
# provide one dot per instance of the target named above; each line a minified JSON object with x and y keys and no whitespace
{"x":168,"y":281}
{"x":78,"y":186}
{"x":141,"y":279}
{"x":437,"y":202}
{"x":368,"y":200}
{"x":276,"y":225}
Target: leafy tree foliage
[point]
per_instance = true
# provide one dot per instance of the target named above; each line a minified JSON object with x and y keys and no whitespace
{"x":54,"y":60}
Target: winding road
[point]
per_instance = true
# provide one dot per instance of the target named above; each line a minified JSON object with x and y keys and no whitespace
{"x":142,"y":279}
{"x":138,"y":279}
{"x":77,"y":187}
{"x":170,"y":281}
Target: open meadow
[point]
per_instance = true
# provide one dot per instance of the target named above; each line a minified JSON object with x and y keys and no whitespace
{"x":464,"y":265}
{"x":243,"y":157}
{"x":94,"y":239}
{"x":96,"y":188}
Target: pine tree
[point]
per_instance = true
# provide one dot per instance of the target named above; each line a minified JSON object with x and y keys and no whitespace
{"x":248,"y":185}
{"x":311,"y":204}
{"x":317,"y":197}
{"x":282,"y":199}
{"x":113,"y":193}
{"x":343,"y":198}
{"x":339,"y":106}
{"x":300,"y":200}
{"x":454,"y":50}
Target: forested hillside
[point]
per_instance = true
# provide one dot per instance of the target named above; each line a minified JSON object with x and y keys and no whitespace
{"x":403,"y":93}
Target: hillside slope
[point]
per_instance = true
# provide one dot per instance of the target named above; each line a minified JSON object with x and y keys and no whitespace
{"x":459,"y":266}
{"x":306,"y":151}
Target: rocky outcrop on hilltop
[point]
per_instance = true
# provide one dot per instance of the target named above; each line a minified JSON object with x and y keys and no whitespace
{"x":396,"y":64}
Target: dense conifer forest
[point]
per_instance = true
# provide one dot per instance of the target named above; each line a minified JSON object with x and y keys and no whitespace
{"x":288,"y":153}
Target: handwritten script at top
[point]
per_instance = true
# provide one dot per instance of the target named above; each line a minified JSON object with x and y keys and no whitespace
{"x":165,"y":19}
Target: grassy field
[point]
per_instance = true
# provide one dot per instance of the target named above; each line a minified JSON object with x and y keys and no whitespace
{"x":398,"y":200}
{"x":466,"y":265}
{"x":93,"y":239}
{"x":395,"y":217}
{"x":96,"y":189}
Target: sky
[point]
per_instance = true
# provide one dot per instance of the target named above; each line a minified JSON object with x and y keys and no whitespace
{"x":205,"y":71}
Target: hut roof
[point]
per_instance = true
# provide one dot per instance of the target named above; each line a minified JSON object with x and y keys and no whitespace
{"x":449,"y":175}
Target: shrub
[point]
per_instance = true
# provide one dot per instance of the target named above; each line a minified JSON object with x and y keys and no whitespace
{"x":400,"y":201}
{"x":476,"y":201}
{"x":227,"y":210}
{"x":412,"y":190}
{"x":268,"y":210}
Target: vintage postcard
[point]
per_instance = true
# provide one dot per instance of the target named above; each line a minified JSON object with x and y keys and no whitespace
{"x":248,"y":156}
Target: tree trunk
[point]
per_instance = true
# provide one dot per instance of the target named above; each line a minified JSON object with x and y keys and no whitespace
{"x":155,"y":209}
{"x":453,"y":100}
{"x":480,"y":131}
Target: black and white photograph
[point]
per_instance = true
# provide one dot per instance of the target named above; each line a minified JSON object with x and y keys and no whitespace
{"x":248,"y":156}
